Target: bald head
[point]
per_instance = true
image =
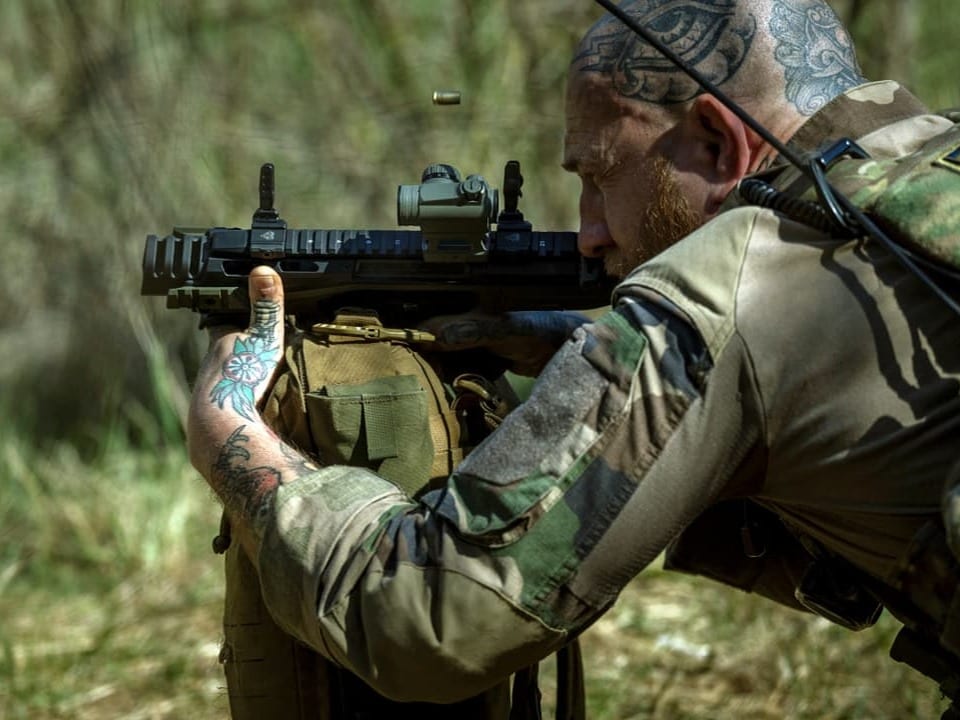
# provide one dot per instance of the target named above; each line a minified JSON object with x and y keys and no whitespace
{"x":779,"y":55}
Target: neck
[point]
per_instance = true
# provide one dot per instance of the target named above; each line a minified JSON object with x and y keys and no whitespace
{"x":782,"y":124}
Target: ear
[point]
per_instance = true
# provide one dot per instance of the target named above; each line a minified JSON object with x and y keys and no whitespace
{"x":730,"y":146}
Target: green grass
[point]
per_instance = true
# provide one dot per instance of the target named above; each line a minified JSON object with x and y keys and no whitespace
{"x":109,"y":592}
{"x":111,"y":598}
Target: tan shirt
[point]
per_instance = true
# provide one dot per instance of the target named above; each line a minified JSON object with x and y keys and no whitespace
{"x":755,"y":357}
{"x":851,"y":364}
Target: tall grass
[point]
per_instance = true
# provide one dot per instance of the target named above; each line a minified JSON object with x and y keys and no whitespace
{"x":126,"y":118}
{"x":108,"y":591}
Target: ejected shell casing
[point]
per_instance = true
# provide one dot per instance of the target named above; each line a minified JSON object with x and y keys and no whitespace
{"x":446,"y":97}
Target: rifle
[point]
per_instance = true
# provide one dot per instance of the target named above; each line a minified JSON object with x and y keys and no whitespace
{"x":455,"y":261}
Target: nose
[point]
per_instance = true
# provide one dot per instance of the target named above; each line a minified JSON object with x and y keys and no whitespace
{"x":594,"y":238}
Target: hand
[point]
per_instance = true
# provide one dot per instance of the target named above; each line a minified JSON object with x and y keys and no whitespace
{"x":237,"y":370}
{"x":528,"y":338}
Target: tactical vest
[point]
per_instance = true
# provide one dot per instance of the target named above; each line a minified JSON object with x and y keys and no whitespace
{"x":916,"y":200}
{"x":354,"y":393}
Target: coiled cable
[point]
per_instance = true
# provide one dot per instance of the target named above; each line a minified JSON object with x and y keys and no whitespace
{"x":759,"y":192}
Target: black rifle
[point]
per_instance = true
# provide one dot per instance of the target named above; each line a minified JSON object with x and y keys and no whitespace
{"x":454,"y":263}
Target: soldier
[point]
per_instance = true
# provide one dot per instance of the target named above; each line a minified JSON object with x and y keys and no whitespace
{"x":770,"y":404}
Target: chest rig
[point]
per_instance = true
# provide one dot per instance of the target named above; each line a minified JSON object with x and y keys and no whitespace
{"x":353,"y":392}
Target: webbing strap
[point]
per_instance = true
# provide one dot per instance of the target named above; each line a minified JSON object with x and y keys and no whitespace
{"x":525,"y":700}
{"x":571,"y":689}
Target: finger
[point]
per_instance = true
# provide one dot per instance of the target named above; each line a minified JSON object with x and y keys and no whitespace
{"x":266,"y":304}
{"x":461,"y":332}
{"x":240,"y":368}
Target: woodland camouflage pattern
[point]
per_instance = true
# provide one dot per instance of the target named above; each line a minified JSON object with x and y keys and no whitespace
{"x":915,"y":197}
{"x":754,"y":358}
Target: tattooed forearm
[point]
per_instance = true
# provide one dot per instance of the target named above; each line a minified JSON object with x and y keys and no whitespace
{"x":299,"y":462}
{"x":250,"y":362}
{"x":712,"y":37}
{"x":815,"y":51}
{"x":245,"y":491}
{"x":553,"y":326}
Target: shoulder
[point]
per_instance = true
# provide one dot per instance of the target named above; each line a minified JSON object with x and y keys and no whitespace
{"x":701,"y":274}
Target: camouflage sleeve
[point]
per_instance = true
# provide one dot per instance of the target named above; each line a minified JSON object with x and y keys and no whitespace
{"x":531,"y":539}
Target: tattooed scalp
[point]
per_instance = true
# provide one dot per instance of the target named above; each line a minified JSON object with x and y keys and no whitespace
{"x":816,"y":54}
{"x":711,"y":37}
{"x":795,"y":49}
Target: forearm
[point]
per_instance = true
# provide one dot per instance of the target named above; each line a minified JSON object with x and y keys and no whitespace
{"x":244,"y":463}
{"x":241,"y":459}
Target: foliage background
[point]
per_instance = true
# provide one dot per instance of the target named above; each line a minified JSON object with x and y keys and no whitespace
{"x":124,"y":117}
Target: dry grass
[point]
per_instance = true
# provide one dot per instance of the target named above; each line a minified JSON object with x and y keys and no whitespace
{"x":123,"y":118}
{"x":110,"y":598}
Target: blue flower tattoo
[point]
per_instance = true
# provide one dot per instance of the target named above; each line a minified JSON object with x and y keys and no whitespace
{"x":250,"y":363}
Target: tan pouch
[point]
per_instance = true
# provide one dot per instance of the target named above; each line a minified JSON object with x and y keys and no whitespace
{"x":342,"y":399}
{"x":375,"y":404}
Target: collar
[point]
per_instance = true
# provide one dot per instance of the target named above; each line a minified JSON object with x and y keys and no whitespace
{"x":857,"y":112}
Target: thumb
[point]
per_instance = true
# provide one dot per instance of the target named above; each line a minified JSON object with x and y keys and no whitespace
{"x":266,"y":304}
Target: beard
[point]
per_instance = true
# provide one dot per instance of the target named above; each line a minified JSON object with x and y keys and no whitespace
{"x":664,"y":220}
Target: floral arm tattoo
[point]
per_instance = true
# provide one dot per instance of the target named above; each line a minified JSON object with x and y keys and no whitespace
{"x":252,"y":462}
{"x":249,"y":363}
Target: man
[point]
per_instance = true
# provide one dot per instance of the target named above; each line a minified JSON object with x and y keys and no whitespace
{"x":751,"y":368}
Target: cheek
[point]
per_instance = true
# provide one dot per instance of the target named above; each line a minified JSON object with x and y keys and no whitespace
{"x":624,"y":207}
{"x":691,"y":188}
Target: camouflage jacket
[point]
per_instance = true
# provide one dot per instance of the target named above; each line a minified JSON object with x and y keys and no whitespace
{"x":755,"y":358}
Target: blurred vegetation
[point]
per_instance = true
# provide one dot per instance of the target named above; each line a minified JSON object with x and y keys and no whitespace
{"x":125,"y":118}
{"x":122,"y":118}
